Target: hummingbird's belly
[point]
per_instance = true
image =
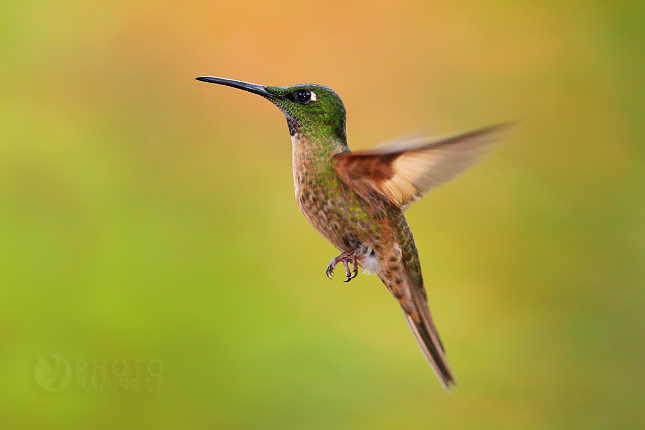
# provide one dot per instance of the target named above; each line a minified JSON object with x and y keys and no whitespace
{"x":339,"y":215}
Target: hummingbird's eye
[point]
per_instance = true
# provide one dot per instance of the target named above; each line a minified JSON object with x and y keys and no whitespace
{"x":303,"y":96}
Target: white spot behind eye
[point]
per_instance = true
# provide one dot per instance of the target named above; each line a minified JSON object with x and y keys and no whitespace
{"x":313,"y":96}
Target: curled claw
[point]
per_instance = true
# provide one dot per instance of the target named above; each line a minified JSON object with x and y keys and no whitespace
{"x":348,"y":274}
{"x":355,"y":269}
{"x":329,"y":271}
{"x":347,"y":258}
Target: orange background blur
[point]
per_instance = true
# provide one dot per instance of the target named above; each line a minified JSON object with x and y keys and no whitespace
{"x":149,"y":234}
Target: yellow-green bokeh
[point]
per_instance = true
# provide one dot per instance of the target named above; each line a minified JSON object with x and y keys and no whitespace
{"x":148,"y":216}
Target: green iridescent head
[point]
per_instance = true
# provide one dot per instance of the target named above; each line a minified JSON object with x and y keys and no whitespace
{"x":310,"y":109}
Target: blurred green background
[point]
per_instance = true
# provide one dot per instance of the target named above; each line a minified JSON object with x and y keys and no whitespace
{"x":149,"y":233}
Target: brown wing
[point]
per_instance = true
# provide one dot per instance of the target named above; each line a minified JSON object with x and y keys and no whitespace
{"x":401,"y":174}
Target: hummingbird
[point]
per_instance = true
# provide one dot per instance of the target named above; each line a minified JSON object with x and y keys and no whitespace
{"x":356,"y":200}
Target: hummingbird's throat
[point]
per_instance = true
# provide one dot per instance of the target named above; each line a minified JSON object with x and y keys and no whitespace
{"x":293,"y":125}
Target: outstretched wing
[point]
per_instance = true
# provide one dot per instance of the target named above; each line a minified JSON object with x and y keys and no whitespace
{"x":402,"y":173}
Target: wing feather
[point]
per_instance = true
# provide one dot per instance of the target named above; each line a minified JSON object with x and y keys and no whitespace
{"x":402,"y":173}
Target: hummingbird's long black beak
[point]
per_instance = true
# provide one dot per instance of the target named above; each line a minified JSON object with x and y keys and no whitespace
{"x":246,"y":86}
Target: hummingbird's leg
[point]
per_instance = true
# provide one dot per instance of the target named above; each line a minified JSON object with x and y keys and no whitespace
{"x":351,"y":275}
{"x":346,"y":263}
{"x":347,"y":258}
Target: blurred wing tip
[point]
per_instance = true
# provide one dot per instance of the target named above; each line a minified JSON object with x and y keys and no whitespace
{"x":501,"y":128}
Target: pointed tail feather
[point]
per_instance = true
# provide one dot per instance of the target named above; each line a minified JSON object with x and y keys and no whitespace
{"x":427,"y":336}
{"x":401,"y":274}
{"x":429,"y":342}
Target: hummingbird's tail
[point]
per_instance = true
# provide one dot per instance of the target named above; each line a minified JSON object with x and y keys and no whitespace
{"x":413,"y":301}
{"x":428,"y":339}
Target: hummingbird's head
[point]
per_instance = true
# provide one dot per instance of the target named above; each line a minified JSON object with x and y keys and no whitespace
{"x":310,"y":109}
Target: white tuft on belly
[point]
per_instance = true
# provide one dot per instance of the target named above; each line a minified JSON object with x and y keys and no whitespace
{"x":370,"y":264}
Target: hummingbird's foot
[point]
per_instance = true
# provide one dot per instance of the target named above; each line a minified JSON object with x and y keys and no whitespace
{"x":347,"y":258}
